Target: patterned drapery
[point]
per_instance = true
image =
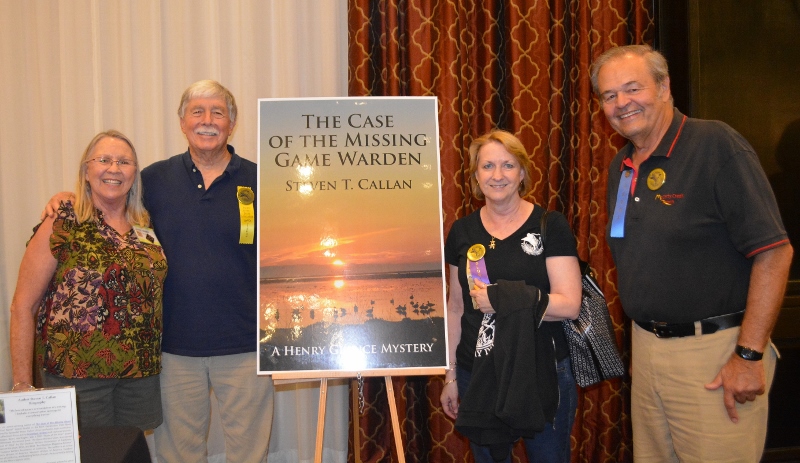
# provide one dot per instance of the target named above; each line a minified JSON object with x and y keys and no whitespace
{"x":520,"y":65}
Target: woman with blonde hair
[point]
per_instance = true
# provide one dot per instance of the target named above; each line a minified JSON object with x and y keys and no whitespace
{"x":88,"y":295}
{"x":510,"y":374}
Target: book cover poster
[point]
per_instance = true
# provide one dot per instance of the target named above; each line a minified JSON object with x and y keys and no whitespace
{"x":350,"y":235}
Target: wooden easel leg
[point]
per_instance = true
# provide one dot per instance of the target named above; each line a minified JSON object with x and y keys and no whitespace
{"x":323,"y":395}
{"x":398,"y":441}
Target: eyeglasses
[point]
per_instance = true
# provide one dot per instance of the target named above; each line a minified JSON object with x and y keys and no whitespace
{"x":107,"y":162}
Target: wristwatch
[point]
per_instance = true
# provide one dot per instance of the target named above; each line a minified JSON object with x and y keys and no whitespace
{"x":748,"y":353}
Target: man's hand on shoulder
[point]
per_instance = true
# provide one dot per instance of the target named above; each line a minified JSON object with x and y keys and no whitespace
{"x":52,"y":206}
{"x":741,"y":380}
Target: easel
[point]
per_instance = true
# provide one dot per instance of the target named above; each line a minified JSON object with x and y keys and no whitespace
{"x":289,"y":377}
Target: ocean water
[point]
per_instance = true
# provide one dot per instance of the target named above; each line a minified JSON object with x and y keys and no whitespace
{"x":298,"y":304}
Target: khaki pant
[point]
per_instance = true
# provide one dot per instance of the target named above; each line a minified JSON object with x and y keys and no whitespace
{"x":675,"y":419}
{"x":245,"y":407}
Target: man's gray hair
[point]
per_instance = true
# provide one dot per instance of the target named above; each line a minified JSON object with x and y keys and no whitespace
{"x":656,"y":62}
{"x":208,"y":89}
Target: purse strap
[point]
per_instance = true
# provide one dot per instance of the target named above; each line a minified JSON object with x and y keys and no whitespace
{"x":543,"y":226}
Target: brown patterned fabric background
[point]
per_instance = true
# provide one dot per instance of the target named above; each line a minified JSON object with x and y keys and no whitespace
{"x":522,"y":66}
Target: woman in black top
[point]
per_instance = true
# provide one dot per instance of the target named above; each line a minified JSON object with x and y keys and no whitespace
{"x":518,"y":383}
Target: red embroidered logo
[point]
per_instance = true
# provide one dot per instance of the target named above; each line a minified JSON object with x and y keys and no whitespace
{"x":669,"y":199}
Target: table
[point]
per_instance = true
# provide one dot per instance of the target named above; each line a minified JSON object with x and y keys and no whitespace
{"x":113,"y":444}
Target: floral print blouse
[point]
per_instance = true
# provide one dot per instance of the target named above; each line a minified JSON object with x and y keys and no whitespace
{"x":101,"y":314}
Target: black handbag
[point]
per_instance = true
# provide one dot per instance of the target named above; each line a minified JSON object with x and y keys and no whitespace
{"x":592,"y":344}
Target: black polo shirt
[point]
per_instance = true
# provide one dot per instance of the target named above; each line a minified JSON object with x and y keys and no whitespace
{"x":688,"y":242}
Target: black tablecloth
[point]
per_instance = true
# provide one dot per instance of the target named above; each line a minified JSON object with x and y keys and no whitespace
{"x":113,"y":444}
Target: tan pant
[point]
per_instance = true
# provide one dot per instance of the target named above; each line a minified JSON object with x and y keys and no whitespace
{"x":245,"y":405}
{"x":675,"y":419}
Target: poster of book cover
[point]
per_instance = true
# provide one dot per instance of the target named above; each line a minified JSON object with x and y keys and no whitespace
{"x":350,"y":235}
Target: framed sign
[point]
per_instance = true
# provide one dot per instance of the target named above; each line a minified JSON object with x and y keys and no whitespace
{"x":39,"y":425}
{"x":350,"y":237}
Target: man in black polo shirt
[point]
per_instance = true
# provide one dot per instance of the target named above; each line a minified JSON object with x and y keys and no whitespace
{"x":702,"y":260}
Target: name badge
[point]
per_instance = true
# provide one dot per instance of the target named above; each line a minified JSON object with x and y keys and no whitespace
{"x":146,"y":235}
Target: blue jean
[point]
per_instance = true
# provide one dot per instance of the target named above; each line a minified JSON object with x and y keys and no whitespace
{"x":552,"y":445}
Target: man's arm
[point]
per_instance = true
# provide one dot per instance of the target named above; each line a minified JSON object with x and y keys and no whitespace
{"x":744,"y":380}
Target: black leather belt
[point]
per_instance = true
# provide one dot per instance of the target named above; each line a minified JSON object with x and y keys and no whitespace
{"x":679,"y":330}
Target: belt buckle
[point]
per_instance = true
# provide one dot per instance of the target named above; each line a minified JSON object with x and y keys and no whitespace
{"x":661,"y":330}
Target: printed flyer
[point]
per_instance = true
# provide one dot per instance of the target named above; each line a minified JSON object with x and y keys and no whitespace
{"x":39,"y":426}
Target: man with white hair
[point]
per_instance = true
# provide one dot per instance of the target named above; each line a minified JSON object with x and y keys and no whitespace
{"x":202,"y":204}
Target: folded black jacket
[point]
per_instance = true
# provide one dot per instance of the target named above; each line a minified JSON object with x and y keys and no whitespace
{"x":513,"y":390}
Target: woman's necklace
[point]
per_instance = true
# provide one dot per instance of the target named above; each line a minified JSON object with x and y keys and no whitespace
{"x":492,"y":243}
{"x":502,"y":225}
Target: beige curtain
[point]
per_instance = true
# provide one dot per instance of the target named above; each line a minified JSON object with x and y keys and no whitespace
{"x":72,"y":68}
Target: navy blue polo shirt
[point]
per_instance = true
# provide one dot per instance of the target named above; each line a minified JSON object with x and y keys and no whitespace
{"x":210,"y":293}
{"x":688,"y":242}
